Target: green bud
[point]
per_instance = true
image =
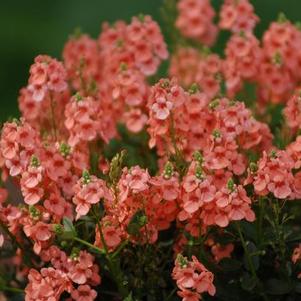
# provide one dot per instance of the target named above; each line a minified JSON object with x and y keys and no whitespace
{"x":119,"y":43}
{"x":168,"y":170}
{"x":142,"y":220}
{"x":273,"y":154}
{"x":65,"y":149}
{"x":199,"y":172}
{"x":197,"y":156}
{"x":253,"y":167}
{"x":15,"y":120}
{"x":78,"y":97}
{"x":194,"y":88}
{"x":82,"y":63}
{"x":282,"y":18}
{"x":231,"y":185}
{"x":64,"y":244}
{"x":214,"y":104}
{"x":232,"y":102}
{"x":164,"y":83}
{"x":58,"y":229}
{"x":123,"y":66}
{"x":74,"y":253}
{"x":92,"y":87}
{"x":141,"y":17}
{"x":86,"y":177}
{"x":77,"y":33}
{"x":183,"y":262}
{"x":205,"y":50}
{"x":277,"y":59}
{"x":242,"y":34}
{"x":116,"y":167}
{"x":190,"y":243}
{"x":34,"y":161}
{"x":34,"y":212}
{"x":216,"y":134}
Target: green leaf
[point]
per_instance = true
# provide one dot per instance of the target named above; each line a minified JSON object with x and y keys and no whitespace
{"x":69,"y":230}
{"x":138,"y":220}
{"x":249,"y":230}
{"x":298,"y":287}
{"x":253,"y":251}
{"x":230,"y":265}
{"x":129,"y":297}
{"x":248,"y":282}
{"x":278,"y":287}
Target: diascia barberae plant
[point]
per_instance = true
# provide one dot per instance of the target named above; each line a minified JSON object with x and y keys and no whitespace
{"x":122,"y":184}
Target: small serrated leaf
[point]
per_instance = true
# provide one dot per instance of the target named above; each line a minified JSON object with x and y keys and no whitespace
{"x":129,"y":297}
{"x":248,"y":282}
{"x":138,"y":220}
{"x":69,"y":230}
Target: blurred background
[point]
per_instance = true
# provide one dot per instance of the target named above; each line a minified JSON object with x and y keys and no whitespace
{"x":32,"y":27}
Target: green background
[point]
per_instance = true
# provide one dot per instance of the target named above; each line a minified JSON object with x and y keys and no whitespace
{"x":31,"y":27}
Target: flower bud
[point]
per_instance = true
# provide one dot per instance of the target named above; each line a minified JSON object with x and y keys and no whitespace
{"x":168,"y":170}
{"x":253,"y":167}
{"x":34,"y":212}
{"x":214,"y":104}
{"x":58,"y":229}
{"x":86,"y":177}
{"x":34,"y":161}
{"x":74,"y":253}
{"x":194,"y":88}
{"x":65,"y":149}
{"x":183,"y":262}
{"x":216,"y":134}
{"x":78,"y":97}
{"x":273,"y":154}
{"x":199,"y":172}
{"x":197,"y":156}
{"x":231,"y":185}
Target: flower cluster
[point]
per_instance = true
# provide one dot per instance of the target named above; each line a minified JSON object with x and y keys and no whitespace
{"x":108,"y":159}
{"x":271,"y":63}
{"x":47,"y":76}
{"x":189,"y":121}
{"x":192,"y":278}
{"x":238,"y":16}
{"x":67,"y":273}
{"x":195,"y":20}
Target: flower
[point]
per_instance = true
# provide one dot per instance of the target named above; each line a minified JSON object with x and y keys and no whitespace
{"x":195,"y":20}
{"x":46,"y":74}
{"x":296,"y":256}
{"x":84,"y":293}
{"x":89,"y":191}
{"x":162,"y":108}
{"x":192,"y":278}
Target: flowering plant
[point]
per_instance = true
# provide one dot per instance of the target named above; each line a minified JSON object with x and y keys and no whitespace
{"x":119,"y":185}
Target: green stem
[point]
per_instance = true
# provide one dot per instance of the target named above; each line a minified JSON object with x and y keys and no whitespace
{"x":260,"y":220}
{"x":171,"y":294}
{"x":250,"y":262}
{"x":12,"y":289}
{"x":279,"y":233}
{"x":244,"y":245}
{"x":113,"y":264}
{"x":83,"y":242}
{"x":119,"y":249}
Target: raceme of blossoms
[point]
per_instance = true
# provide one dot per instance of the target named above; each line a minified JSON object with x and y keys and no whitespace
{"x":122,"y":181}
